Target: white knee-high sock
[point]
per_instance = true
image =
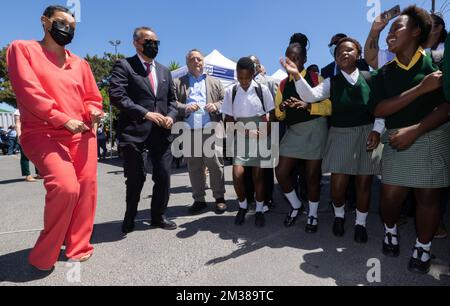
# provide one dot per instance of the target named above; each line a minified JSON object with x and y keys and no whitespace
{"x":243,"y":205}
{"x":339,"y":212}
{"x":294,"y":201}
{"x":361,"y":218}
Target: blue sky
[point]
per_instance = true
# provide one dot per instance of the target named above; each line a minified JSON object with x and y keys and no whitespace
{"x":235,"y":27}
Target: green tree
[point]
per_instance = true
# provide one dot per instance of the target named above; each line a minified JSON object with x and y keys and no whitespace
{"x":6,"y":93}
{"x":173,"y":65}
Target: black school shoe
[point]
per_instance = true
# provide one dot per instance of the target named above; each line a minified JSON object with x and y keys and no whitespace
{"x":310,"y":228}
{"x":361,"y":234}
{"x":260,"y":221}
{"x":339,"y":227}
{"x":240,"y":218}
{"x":416,"y":265}
{"x":290,"y":221}
{"x":390,"y":249}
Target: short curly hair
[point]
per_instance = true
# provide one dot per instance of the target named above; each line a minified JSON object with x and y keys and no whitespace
{"x":349,"y":39}
{"x":421,"y":19}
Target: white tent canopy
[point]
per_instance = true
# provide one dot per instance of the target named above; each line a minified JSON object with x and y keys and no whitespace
{"x":280,"y":75}
{"x":217,"y":66}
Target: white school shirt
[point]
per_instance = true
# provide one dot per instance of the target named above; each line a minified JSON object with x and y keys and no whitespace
{"x":247,"y":103}
{"x":323,"y":92}
{"x":385,"y":56}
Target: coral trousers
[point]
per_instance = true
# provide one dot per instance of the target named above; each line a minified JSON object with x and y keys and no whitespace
{"x":68,"y":164}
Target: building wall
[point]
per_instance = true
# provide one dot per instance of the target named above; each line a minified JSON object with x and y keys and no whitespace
{"x":6,"y":120}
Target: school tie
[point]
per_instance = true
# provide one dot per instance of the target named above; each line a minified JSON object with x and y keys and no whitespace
{"x":150,"y":76}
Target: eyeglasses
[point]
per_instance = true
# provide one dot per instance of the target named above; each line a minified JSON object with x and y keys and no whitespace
{"x":153,"y":42}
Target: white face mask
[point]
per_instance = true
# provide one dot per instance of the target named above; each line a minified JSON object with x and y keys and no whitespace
{"x":332,"y":50}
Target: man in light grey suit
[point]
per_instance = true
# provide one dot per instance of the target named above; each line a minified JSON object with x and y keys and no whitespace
{"x":200,"y":98}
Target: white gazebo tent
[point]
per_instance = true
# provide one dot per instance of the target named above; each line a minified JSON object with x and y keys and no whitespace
{"x":280,"y":75}
{"x":217,"y":66}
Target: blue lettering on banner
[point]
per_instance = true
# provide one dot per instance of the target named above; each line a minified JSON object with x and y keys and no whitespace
{"x":219,"y":72}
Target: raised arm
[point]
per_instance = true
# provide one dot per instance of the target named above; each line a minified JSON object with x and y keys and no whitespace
{"x":371,"y":47}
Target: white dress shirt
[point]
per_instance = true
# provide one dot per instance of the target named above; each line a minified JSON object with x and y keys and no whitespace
{"x":153,"y":71}
{"x":247,"y":103}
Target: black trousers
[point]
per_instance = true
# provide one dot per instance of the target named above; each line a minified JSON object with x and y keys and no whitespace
{"x":160,"y":156}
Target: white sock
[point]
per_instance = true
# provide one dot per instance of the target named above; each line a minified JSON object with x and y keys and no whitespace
{"x":339,"y":212}
{"x":361,"y":218}
{"x":259,"y":207}
{"x":392,"y":231}
{"x":294,"y":201}
{"x":426,"y":247}
{"x":244,"y":204}
{"x":313,"y":208}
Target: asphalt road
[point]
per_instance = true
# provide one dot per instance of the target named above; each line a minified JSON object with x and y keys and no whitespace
{"x":206,"y":249}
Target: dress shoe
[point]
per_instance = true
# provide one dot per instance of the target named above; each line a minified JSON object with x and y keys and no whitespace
{"x":221,"y":206}
{"x":339,"y":227}
{"x":290,"y":221}
{"x":197,"y":207}
{"x":128,"y":225}
{"x":361,"y":234}
{"x":390,"y":249}
{"x":165,"y":224}
{"x":240,"y":218}
{"x":312,"y":228}
{"x":416,"y":265}
{"x":30,"y":179}
{"x":260,"y":221}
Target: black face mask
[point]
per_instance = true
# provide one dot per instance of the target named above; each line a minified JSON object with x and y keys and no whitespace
{"x":60,"y":34}
{"x":150,"y":49}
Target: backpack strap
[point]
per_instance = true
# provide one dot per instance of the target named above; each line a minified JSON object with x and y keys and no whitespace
{"x":259,"y":93}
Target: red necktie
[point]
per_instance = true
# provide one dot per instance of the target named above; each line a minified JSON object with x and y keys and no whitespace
{"x":150,"y":76}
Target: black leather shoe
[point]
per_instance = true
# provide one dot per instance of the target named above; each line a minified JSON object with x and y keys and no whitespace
{"x":361,"y":234}
{"x":310,"y":227}
{"x":128,"y":225}
{"x":290,"y":221}
{"x":390,"y":249}
{"x":260,"y":221}
{"x":221,"y":206}
{"x":165,"y":224}
{"x":240,"y":218}
{"x":416,"y":265}
{"x":339,"y":227}
{"x":197,"y":208}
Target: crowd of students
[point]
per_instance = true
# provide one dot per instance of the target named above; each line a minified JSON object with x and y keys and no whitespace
{"x":392,"y":122}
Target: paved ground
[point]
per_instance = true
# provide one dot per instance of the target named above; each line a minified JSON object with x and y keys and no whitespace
{"x":206,"y":249}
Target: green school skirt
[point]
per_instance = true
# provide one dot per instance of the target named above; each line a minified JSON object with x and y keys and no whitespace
{"x":346,"y":152}
{"x":247,"y":150}
{"x":306,"y":140}
{"x":426,"y":164}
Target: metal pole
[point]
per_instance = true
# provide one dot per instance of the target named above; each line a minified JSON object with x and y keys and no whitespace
{"x":115,"y":44}
{"x":433,"y":6}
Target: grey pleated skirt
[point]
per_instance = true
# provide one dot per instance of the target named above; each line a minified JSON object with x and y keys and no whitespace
{"x":306,"y":140}
{"x":426,"y":164}
{"x":247,"y":150}
{"x":346,"y":152}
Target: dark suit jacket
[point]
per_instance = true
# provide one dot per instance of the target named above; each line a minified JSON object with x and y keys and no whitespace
{"x":131,"y":93}
{"x":328,"y":71}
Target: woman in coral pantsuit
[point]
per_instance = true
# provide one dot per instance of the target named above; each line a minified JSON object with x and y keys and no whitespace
{"x":60,"y":103}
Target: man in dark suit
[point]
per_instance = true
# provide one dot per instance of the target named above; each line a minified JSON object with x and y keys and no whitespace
{"x":143,"y":91}
{"x":331,"y":69}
